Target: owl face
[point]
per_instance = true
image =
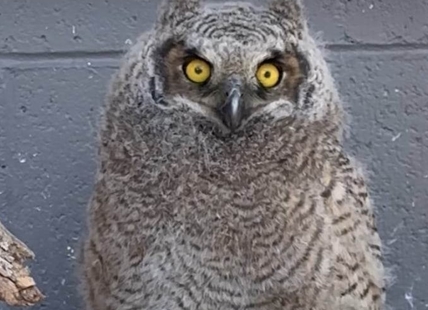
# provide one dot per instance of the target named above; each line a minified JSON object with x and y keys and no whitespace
{"x":231,"y":62}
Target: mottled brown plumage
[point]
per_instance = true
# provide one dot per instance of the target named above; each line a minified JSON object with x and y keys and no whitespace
{"x":189,"y":214}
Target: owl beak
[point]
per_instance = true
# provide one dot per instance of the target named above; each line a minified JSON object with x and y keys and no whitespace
{"x":232,"y":109}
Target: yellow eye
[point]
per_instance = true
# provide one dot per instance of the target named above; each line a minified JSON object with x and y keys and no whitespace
{"x":268,"y":75}
{"x":198,"y":71}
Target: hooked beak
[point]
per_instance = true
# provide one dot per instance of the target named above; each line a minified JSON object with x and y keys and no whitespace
{"x":233,"y":108}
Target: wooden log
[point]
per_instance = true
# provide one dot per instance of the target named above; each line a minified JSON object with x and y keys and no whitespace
{"x":17,"y":287}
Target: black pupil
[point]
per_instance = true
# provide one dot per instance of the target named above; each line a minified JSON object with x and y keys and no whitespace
{"x":198,"y":70}
{"x":267,"y":74}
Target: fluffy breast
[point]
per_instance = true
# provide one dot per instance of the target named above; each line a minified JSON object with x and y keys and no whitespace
{"x":257,"y":245}
{"x":228,"y":222}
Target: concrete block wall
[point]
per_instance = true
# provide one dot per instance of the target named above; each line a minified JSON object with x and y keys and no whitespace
{"x":56,"y":57}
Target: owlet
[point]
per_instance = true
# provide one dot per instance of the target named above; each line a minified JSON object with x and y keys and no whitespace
{"x":222,"y":180}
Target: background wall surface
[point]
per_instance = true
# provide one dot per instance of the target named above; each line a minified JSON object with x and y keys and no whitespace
{"x":56,"y":57}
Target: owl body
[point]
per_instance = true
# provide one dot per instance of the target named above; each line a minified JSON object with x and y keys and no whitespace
{"x":226,"y":193}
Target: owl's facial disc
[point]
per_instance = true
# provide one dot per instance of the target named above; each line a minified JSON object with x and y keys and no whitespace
{"x":232,"y":85}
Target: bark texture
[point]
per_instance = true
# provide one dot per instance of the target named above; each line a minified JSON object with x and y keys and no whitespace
{"x":17,"y":287}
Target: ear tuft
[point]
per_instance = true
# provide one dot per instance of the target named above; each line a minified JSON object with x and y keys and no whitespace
{"x":291,"y":10}
{"x":291,"y":7}
{"x":171,"y":10}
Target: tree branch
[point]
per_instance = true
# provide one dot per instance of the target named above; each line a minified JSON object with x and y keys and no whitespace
{"x":17,"y":287}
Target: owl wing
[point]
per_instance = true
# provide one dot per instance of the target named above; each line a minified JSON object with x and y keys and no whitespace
{"x":115,"y":246}
{"x":358,"y":270}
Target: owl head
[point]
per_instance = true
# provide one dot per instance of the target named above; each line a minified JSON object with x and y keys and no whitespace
{"x":234,"y":62}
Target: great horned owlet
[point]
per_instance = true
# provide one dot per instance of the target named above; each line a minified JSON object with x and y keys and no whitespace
{"x":222,"y":180}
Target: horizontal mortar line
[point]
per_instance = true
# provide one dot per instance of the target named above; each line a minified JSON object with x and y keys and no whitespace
{"x":373,"y":47}
{"x":60,"y":59}
{"x":68,"y":55}
{"x":10,"y":60}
